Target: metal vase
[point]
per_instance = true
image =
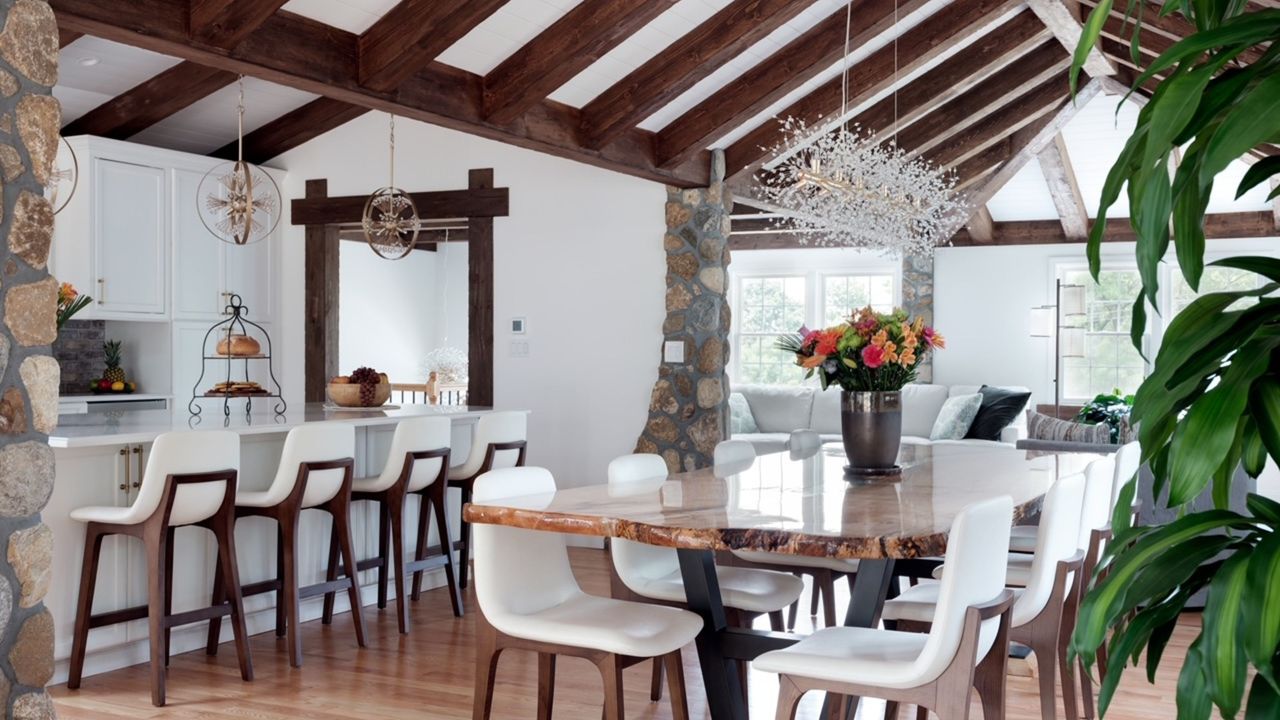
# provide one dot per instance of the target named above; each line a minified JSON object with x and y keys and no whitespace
{"x":871,"y":427}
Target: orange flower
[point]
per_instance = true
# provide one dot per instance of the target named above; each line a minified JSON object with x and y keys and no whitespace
{"x":907,"y":358}
{"x":813,"y":361}
{"x":880,"y":338}
{"x":909,"y":339}
{"x":827,"y":340}
{"x":890,"y":352}
{"x":933,"y":339}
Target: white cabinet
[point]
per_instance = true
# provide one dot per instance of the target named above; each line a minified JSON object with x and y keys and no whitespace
{"x":198,"y":278}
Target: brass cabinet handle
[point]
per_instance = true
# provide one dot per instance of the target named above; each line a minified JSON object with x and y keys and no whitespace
{"x":137,"y":450}
{"x":102,"y":290}
{"x":124,"y":452}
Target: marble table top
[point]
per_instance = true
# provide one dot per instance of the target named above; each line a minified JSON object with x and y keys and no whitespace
{"x":799,"y":506}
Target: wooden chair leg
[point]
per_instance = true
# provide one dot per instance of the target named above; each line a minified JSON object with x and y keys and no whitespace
{"x":168,"y":591}
{"x":442,"y":530}
{"x":228,"y":567}
{"x":384,"y":530}
{"x":342,"y":518}
{"x":288,"y":594}
{"x":395,"y":508}
{"x":487,"y":654}
{"x":155,"y":542}
{"x":655,"y":683}
{"x":611,"y":670}
{"x":891,"y":710}
{"x":789,"y":695}
{"x":829,"y":600}
{"x":792,"y":612}
{"x":776,"y":621}
{"x":420,"y":552}
{"x":1046,"y":658}
{"x":84,"y":603}
{"x":922,"y":712}
{"x":217,"y":598}
{"x":546,"y":684}
{"x":331,"y":573}
{"x":1087,"y":698}
{"x":280,"y":606}
{"x":464,"y":534}
{"x":675,"y":682}
{"x":815,"y":594}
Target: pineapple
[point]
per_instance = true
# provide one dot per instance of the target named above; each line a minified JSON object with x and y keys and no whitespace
{"x":114,"y":373}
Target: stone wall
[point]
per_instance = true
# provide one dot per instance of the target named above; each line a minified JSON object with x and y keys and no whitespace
{"x":917,"y":299}
{"x":688,"y":411}
{"x":78,"y":351}
{"x":29,"y":121}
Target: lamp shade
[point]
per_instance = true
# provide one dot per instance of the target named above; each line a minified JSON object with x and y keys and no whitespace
{"x":1071,"y":342}
{"x":1042,"y":321}
{"x":1072,"y":300}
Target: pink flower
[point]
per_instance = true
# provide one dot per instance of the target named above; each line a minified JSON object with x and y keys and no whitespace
{"x":873,"y":356}
{"x":932,"y":338}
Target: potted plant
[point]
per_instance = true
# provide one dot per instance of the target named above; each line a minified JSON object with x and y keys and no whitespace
{"x":1211,"y":404}
{"x":871,"y":356}
{"x":1110,"y":409}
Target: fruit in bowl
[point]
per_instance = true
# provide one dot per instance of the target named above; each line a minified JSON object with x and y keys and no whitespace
{"x":107,"y":386}
{"x":365,"y":387}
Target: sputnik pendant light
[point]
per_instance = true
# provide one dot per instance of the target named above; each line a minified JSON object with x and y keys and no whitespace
{"x":239,"y":202}
{"x":390,"y":220}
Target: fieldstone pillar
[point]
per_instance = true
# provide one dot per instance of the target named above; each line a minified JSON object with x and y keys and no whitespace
{"x":29,"y":122}
{"x":917,"y":299}
{"x":688,"y":410}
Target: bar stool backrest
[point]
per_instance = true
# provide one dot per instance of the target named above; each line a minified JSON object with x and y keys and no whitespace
{"x":517,"y":571}
{"x":974,"y":574}
{"x":1128,"y":460}
{"x":415,"y":435}
{"x":733,"y":456}
{"x":1099,"y":477}
{"x":186,"y":452}
{"x":636,"y":562}
{"x":498,"y":427}
{"x":1058,"y":540}
{"x":313,"y":443}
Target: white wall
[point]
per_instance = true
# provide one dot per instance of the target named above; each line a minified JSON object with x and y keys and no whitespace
{"x":580,"y":257}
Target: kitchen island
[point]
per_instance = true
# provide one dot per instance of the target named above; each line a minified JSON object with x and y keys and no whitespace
{"x":100,"y":459}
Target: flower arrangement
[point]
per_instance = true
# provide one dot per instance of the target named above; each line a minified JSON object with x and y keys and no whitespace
{"x":870,"y":352}
{"x":70,"y":302}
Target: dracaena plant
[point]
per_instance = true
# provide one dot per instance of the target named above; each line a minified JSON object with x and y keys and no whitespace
{"x":1212,"y":402}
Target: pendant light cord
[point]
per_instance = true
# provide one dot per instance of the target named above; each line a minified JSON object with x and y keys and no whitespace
{"x":895,"y":72}
{"x":240,"y":122}
{"x":392,"y":150}
{"x":844,"y":73}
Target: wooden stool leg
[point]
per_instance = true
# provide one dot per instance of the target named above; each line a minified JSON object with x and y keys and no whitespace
{"x":655,"y":682}
{"x":280,"y":605}
{"x":331,"y":574}
{"x":420,"y":552}
{"x":1046,"y":657}
{"x":395,"y":507}
{"x":442,"y":530}
{"x":776,"y":621}
{"x":464,"y":556}
{"x":217,"y":598}
{"x":828,"y":599}
{"x":228,"y":568}
{"x":611,"y":670}
{"x":891,"y":710}
{"x":84,"y":604}
{"x":168,"y":591}
{"x":546,"y":684}
{"x":289,"y":589}
{"x":155,"y":542}
{"x":487,"y":653}
{"x":341,"y":510}
{"x":789,"y":695}
{"x":384,"y":569}
{"x":813,"y":595}
{"x":675,"y":682}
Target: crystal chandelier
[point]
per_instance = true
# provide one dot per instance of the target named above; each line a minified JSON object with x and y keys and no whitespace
{"x":239,"y":202}
{"x":390,"y":219}
{"x":847,"y":189}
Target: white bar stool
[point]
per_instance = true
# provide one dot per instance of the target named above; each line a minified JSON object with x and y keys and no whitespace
{"x":418,"y":464}
{"x":314,"y":474}
{"x":190,"y":480}
{"x":499,"y":440}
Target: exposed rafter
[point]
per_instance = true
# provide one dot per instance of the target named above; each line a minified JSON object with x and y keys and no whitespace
{"x":981,"y":226}
{"x":1055,"y":165}
{"x":292,"y":129}
{"x":784,"y":71}
{"x":1022,"y":111}
{"x":1065,"y":25}
{"x":1049,"y":232}
{"x":953,"y":24}
{"x":223,"y":23}
{"x":679,"y":67}
{"x":412,"y":34}
{"x":151,"y":101}
{"x":575,"y":41}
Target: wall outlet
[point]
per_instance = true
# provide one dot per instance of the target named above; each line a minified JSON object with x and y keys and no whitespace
{"x":673,"y":351}
{"x":519,"y":348}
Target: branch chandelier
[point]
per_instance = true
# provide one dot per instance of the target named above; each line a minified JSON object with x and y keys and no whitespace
{"x":846,"y":189}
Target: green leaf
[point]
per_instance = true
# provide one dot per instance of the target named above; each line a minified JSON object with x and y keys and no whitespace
{"x":1193,"y":701}
{"x":1264,"y":266}
{"x":1258,"y":173}
{"x":1174,"y":105}
{"x":1188,"y":232}
{"x":1263,"y":508}
{"x":1088,"y":39}
{"x":1116,"y":179}
{"x":1231,"y":38}
{"x":1253,"y":454}
{"x":1249,"y":122}
{"x":1264,"y":701}
{"x":1261,"y":605}
{"x":1151,"y":219}
{"x":1130,"y":640}
{"x":1232,"y":330}
{"x":1225,"y":474}
{"x":1138,"y":325}
{"x":1122,"y":516}
{"x":1223,"y":652}
{"x":1264,"y":406}
{"x":1172,"y":569}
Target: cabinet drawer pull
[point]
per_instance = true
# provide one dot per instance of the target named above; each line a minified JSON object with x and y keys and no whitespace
{"x":102,"y":294}
{"x":137,"y":450}
{"x":128,"y":474}
{"x":123,"y":486}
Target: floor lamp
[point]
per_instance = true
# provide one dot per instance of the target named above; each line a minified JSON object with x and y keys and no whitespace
{"x":1053,"y":321}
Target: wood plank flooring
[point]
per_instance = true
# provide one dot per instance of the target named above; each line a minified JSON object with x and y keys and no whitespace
{"x":428,"y":674}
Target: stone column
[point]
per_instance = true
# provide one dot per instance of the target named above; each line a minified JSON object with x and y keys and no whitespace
{"x":29,"y":122}
{"x":688,"y":411}
{"x":917,"y":298}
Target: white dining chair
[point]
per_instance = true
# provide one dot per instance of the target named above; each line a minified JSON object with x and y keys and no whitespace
{"x":190,"y":480}
{"x":529,"y":599}
{"x":964,"y":649}
{"x":1036,"y":615}
{"x":498,"y":440}
{"x":417,"y":465}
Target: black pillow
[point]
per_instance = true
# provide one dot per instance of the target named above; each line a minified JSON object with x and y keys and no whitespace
{"x":999,"y":407}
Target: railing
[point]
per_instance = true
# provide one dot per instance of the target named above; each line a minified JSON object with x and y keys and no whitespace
{"x":430,"y":392}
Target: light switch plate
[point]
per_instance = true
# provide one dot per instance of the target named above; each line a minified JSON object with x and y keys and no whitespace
{"x":673,"y":351}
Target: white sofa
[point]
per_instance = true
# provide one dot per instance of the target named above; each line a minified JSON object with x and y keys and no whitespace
{"x":779,"y":409}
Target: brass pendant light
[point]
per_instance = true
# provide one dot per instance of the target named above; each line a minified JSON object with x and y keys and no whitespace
{"x":239,"y":202}
{"x":390,"y":220}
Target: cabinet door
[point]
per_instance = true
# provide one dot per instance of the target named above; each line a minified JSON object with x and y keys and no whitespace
{"x":198,"y":255}
{"x":188,"y":339}
{"x":249,"y":276}
{"x":130,"y":238}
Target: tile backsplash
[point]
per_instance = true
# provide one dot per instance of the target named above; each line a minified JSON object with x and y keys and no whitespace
{"x":78,"y":350}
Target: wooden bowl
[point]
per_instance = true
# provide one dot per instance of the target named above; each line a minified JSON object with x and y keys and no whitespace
{"x":348,"y":394}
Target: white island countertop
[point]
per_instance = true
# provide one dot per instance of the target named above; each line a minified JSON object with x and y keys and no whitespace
{"x":142,"y":426}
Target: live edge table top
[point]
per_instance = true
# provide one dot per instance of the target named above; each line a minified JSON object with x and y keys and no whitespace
{"x":799,"y":506}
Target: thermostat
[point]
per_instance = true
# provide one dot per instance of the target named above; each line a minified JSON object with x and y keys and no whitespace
{"x":517,"y":326}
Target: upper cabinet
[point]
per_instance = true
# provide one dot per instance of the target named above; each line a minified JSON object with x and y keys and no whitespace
{"x":132,"y":238}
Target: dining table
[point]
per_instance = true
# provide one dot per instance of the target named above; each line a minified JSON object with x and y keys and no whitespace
{"x":796,"y":505}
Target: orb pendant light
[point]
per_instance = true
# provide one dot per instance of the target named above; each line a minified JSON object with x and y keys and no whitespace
{"x":239,"y":202}
{"x":390,"y":220}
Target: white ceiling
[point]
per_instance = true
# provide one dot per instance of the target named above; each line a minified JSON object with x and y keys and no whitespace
{"x":210,"y":123}
{"x":354,"y":16}
{"x":83,"y":86}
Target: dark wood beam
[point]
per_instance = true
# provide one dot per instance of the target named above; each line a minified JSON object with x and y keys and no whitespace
{"x":320,"y":292}
{"x":1157,"y":31}
{"x":951,"y":25}
{"x":975,"y":168}
{"x":300,"y":53}
{"x":223,"y":23}
{"x":1055,"y":165}
{"x":769,"y":81}
{"x":292,"y":129}
{"x":484,"y":202}
{"x":412,"y":34}
{"x":480,"y":298}
{"x":66,"y":37}
{"x":1047,"y":62}
{"x":1022,"y":111}
{"x":683,"y":64}
{"x":151,"y":101}
{"x":1048,"y":232}
{"x":981,"y":226}
{"x":572,"y":43}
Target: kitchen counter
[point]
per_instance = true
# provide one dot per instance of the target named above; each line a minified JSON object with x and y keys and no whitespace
{"x":96,"y":430}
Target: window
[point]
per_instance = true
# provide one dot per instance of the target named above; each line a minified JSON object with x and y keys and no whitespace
{"x":766,"y":306}
{"x":1214,"y":279}
{"x":1110,"y":361}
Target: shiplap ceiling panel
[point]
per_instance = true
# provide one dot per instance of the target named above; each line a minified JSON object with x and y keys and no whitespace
{"x":91,"y":71}
{"x":503,"y":33}
{"x":354,"y":16}
{"x":209,"y":124}
{"x":1024,"y":197}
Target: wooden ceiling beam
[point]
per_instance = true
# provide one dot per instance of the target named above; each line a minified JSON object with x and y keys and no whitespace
{"x":1157,"y":30}
{"x":1022,"y":111}
{"x":310,"y":56}
{"x":151,"y":101}
{"x":981,"y":226}
{"x":292,"y":129}
{"x":482,"y":203}
{"x":1065,"y":25}
{"x":572,"y":43}
{"x":770,"y":80}
{"x":974,"y":169}
{"x":953,"y":24}
{"x":223,"y":23}
{"x":688,"y":60}
{"x":1055,"y":165}
{"x":1219,"y":226}
{"x":412,"y":34}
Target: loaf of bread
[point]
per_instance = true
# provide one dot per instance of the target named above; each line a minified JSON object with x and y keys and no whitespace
{"x":238,"y":346}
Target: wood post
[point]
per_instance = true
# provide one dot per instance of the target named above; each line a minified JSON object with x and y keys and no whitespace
{"x":480,"y":296}
{"x":320,"y":345}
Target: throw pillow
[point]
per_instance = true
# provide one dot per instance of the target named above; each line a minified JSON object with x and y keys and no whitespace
{"x":956,"y":416}
{"x":999,"y":407}
{"x":740,"y":418}
{"x":1043,"y":427}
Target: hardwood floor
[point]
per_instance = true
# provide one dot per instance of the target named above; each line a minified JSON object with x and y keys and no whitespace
{"x":429,"y":675}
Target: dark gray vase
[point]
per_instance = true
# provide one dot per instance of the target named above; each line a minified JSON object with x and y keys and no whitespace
{"x":871,"y":427}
